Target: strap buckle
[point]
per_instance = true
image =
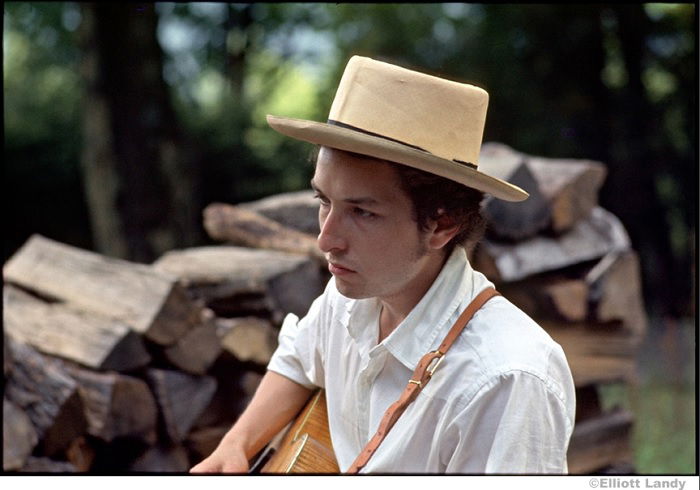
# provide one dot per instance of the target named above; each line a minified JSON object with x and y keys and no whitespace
{"x":435,"y":362}
{"x":424,"y":374}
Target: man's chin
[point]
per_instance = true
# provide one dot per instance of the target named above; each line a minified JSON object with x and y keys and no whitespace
{"x":349,"y":291}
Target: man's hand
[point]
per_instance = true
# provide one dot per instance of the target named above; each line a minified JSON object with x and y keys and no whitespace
{"x":228,"y":457}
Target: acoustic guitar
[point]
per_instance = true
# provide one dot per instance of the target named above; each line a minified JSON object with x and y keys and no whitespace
{"x":306,"y":446}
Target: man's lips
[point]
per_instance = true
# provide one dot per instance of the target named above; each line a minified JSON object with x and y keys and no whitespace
{"x":337,"y":269}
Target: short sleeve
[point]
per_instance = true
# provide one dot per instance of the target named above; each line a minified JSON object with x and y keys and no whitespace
{"x":300,"y":351}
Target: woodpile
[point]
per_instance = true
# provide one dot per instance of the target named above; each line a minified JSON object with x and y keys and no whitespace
{"x":116,"y":367}
{"x":576,"y":274}
{"x":112,"y":366}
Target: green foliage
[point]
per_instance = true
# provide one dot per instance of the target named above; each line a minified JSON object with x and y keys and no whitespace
{"x":615,"y":83}
{"x":42,"y":185}
{"x":664,"y":425}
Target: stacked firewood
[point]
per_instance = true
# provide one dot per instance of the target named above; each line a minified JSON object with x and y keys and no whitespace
{"x":115,"y":366}
{"x":569,"y":264}
{"x":112,"y":366}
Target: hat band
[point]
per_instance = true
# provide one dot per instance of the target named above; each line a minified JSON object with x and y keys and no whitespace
{"x":370,"y":133}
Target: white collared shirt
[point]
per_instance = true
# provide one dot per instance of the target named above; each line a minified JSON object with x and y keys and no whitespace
{"x":502,"y":400}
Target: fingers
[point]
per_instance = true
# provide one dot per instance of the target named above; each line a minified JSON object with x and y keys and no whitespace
{"x":215,"y":465}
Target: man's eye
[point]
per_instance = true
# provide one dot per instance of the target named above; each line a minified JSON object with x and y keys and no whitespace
{"x":321,"y":198}
{"x":363,"y":213}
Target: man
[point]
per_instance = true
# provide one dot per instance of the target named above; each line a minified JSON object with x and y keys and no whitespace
{"x":399,"y":191}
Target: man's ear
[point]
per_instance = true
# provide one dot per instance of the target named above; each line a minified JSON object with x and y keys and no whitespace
{"x":442,"y":230}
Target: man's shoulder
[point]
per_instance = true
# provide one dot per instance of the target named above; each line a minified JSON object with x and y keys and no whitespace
{"x":502,"y":340}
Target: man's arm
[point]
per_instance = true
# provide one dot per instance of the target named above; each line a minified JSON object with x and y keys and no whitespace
{"x":276,"y":401}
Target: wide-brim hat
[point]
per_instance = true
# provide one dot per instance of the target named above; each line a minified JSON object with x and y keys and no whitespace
{"x":404,"y":116}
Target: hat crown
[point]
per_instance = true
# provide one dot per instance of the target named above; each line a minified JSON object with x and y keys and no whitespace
{"x":443,"y":117}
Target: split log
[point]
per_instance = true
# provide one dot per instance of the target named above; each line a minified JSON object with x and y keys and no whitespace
{"x":41,"y":387}
{"x":600,"y":442}
{"x":181,"y":398}
{"x":241,"y":226}
{"x":287,"y":282}
{"x":162,"y":459}
{"x":150,"y":302}
{"x":297,"y":210}
{"x":597,"y":353}
{"x":6,"y":354}
{"x":615,"y":286}
{"x":570,"y":185}
{"x":609,"y":291}
{"x":47,"y":465}
{"x":92,"y":340}
{"x":568,"y":188}
{"x":513,"y":220}
{"x":236,"y":386}
{"x":197,"y":350}
{"x":590,"y":239}
{"x":554,"y":297}
{"x":18,"y":436}
{"x":81,"y":454}
{"x":116,"y":405}
{"x":248,"y":339}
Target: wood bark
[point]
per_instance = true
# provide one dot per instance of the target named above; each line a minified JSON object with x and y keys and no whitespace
{"x":181,"y":398}
{"x":248,"y":339}
{"x":18,"y":436}
{"x":195,"y":351}
{"x":601,"y":441}
{"x":163,"y":459}
{"x":48,"y":395}
{"x":564,"y":190}
{"x":81,"y":454}
{"x":241,"y":226}
{"x":285,"y":282}
{"x":296,"y":210}
{"x":571,"y":187}
{"x":151,"y":303}
{"x":47,"y":465}
{"x":92,"y":340}
{"x":615,"y":286}
{"x":590,"y":239}
{"x":554,"y":297}
{"x":6,"y":354}
{"x":513,"y":220}
{"x":597,"y":353}
{"x":608,"y":291}
{"x":116,"y":405}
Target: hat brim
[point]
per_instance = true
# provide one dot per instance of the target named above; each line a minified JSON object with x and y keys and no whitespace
{"x":355,"y":141}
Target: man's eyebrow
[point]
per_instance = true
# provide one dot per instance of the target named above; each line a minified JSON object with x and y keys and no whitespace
{"x":349,"y":200}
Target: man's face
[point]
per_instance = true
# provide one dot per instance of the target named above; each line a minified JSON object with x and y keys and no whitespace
{"x":368,"y":234}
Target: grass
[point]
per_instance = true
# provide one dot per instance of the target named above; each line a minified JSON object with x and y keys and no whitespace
{"x":663,"y":403}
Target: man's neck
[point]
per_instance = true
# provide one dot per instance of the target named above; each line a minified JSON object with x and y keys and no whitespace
{"x":396,"y":308}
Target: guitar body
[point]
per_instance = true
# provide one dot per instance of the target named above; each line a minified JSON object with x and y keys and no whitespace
{"x":306,"y":447}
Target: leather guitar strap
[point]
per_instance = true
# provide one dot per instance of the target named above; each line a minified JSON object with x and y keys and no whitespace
{"x":421,"y":375}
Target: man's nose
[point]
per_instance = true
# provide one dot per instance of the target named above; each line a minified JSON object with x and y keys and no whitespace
{"x":331,"y":237}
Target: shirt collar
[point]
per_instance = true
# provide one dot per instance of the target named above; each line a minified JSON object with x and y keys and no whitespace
{"x":428,"y":322}
{"x":426,"y":325}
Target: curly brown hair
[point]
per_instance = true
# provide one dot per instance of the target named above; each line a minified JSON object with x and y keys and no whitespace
{"x":433,"y":196}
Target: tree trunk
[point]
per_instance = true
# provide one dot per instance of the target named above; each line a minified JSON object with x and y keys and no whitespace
{"x":138,"y":185}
